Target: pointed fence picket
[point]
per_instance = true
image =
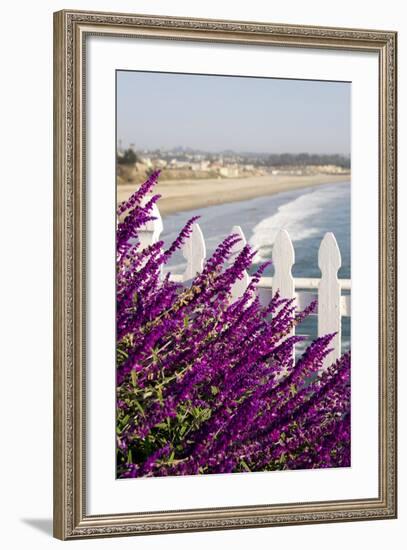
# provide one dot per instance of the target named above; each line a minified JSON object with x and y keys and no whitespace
{"x":329,"y":293}
{"x":151,"y":231}
{"x":283,"y":260}
{"x":327,"y":289}
{"x":194,"y":251}
{"x":240,"y":285}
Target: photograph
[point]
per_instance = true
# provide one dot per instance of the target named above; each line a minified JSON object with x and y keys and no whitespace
{"x":233,"y":274}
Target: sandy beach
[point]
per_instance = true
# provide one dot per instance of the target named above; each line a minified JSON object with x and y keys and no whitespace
{"x":178,"y":196}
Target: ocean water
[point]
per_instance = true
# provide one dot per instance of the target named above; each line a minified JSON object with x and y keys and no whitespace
{"x":307,"y":214}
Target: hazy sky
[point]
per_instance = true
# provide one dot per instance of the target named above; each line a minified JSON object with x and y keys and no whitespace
{"x":226,"y":112}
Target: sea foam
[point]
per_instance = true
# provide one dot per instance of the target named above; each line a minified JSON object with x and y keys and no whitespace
{"x":299,"y":217}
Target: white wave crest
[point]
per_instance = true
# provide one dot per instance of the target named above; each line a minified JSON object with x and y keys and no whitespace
{"x":298,"y":217}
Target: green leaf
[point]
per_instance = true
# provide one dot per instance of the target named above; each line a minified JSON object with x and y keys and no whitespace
{"x":183,"y":430}
{"x":155,"y":355}
{"x":123,"y":354}
{"x":160,"y":395}
{"x":245,"y":466}
{"x":134,"y":377}
{"x":139,"y":407}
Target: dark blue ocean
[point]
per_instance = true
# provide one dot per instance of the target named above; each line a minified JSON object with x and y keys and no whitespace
{"x":307,"y":214}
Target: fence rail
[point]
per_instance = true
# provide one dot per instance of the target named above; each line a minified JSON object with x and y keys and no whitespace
{"x":328,"y":288}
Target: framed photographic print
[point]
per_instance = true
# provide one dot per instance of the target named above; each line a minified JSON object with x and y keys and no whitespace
{"x":225,"y":274}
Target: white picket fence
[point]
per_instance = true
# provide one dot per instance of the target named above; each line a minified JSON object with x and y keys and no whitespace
{"x":327,"y":289}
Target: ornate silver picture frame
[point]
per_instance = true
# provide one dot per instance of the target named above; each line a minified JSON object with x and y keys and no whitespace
{"x":72,"y":30}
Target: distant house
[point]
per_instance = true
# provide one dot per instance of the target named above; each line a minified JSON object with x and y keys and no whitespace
{"x":147,"y":162}
{"x":229,"y":171}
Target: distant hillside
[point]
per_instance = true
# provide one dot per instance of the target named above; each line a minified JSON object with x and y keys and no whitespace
{"x":137,"y":173}
{"x":306,"y":159}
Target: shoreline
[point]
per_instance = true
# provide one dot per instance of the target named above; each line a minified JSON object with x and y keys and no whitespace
{"x":184,"y":195}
